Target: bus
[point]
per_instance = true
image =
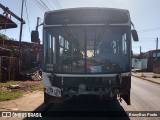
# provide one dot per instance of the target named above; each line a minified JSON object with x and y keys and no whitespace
{"x":87,"y":51}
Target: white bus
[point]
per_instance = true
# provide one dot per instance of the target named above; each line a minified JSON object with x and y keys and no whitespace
{"x":87,"y":51}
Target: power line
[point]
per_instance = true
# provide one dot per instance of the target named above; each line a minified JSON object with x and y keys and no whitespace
{"x":40,"y":7}
{"x":144,"y":41}
{"x":50,"y":5}
{"x":27,"y":16}
{"x":56,"y":3}
{"x":53,"y":2}
{"x":148,"y":38}
{"x":44,"y":4}
{"x":147,"y":30}
{"x":142,"y":47}
{"x":44,"y":7}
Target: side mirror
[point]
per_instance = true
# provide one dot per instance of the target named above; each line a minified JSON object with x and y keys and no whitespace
{"x":34,"y":36}
{"x":134,"y":35}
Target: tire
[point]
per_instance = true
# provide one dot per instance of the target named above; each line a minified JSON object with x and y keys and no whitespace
{"x":126,"y":98}
{"x":47,"y":98}
{"x":52,"y":99}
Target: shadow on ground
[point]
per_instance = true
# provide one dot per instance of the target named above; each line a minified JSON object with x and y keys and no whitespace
{"x":83,"y":108}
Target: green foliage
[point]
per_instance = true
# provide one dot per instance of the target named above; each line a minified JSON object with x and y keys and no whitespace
{"x":9,"y":95}
{"x":38,"y":87}
{"x":154,"y":76}
{"x":3,"y":36}
{"x":5,"y":84}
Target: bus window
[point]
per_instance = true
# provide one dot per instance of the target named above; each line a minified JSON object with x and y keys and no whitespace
{"x":49,"y":49}
{"x":124,"y":44}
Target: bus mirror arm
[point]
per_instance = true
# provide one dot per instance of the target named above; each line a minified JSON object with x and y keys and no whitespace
{"x":134,"y":33}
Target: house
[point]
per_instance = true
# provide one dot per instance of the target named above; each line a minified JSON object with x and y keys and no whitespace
{"x":153,"y":57}
{"x":12,"y":62}
{"x":6,"y":23}
{"x":146,"y":61}
{"x":138,"y":62}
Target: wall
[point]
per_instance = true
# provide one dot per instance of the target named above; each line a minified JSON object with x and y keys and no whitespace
{"x":156,"y":67}
{"x":139,"y":63}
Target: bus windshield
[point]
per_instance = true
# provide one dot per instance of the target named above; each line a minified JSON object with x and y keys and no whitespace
{"x":87,"y":49}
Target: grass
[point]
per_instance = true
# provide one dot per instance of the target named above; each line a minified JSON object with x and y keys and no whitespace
{"x":36,"y":88}
{"x":9,"y":83}
{"x":8,"y":94}
{"x":154,"y":76}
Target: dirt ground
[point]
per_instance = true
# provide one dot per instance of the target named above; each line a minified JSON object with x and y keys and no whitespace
{"x":32,"y":98}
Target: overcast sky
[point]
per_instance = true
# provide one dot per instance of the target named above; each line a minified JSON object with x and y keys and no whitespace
{"x":144,"y":14}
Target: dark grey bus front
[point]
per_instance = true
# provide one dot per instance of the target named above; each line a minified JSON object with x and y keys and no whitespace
{"x":87,"y":58}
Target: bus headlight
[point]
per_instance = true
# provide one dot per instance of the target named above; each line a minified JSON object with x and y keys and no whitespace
{"x":57,"y":92}
{"x":53,"y":91}
{"x":49,"y":90}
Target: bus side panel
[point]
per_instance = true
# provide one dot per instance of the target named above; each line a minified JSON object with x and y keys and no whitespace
{"x":126,"y":85}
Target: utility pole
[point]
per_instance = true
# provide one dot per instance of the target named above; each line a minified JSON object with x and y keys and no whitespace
{"x":156,"y":47}
{"x":38,"y":44}
{"x":37,"y":23}
{"x":140,"y":50}
{"x":6,"y":9}
{"x":20,"y":35}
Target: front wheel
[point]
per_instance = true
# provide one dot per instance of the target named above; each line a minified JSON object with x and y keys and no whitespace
{"x":126,"y":98}
{"x":47,"y":98}
{"x":51,"y":99}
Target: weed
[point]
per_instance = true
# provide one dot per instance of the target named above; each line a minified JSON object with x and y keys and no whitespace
{"x":9,"y":95}
{"x":143,"y":75}
{"x":154,"y":76}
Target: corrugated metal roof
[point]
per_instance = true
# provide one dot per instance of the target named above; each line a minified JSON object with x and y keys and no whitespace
{"x":6,"y":23}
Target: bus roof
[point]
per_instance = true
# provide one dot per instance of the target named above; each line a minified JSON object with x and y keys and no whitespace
{"x":87,"y":15}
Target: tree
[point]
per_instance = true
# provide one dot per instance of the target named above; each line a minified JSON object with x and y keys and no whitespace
{"x":3,"y":36}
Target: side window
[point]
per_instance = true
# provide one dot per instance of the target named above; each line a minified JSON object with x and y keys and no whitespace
{"x":61,"y":44}
{"x":117,"y":47}
{"x":64,"y":45}
{"x":124,"y":44}
{"x":50,"y":49}
{"x":119,"y":44}
{"x":114,"y":44}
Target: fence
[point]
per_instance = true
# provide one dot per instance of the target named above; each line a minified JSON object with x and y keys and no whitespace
{"x":9,"y":68}
{"x":156,"y":67}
